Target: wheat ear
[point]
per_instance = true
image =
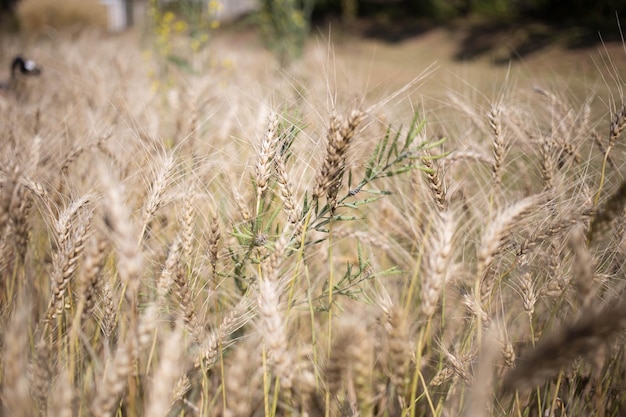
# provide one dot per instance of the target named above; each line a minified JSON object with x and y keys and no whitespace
{"x":438,"y":262}
{"x":117,"y":217}
{"x":61,"y":396}
{"x":584,"y":268}
{"x":189,"y":217}
{"x":495,"y":123}
{"x":16,"y":399}
{"x":339,"y":136}
{"x":218,"y":338}
{"x":114,"y":380}
{"x":436,"y":183}
{"x":285,"y":189}
{"x":166,"y":279}
{"x":155,"y":197}
{"x":611,"y":210}
{"x":592,"y":329}
{"x":71,"y":229}
{"x":214,"y":241}
{"x":349,"y":368}
{"x":91,"y":274}
{"x":239,"y":379}
{"x":41,"y":373}
{"x":269,"y":145}
{"x":8,"y":193}
{"x":169,"y":371}
{"x":492,"y":240}
{"x":185,"y":297}
{"x":481,"y":388}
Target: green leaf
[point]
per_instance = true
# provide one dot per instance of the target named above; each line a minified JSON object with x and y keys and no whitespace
{"x":394,"y":147}
{"x":414,"y":130}
{"x":359,"y":251}
{"x":242,"y":235}
{"x":372,"y":162}
{"x":356,"y":204}
{"x":272,"y":218}
{"x":399,"y":171}
{"x":394,"y":270}
{"x":383,"y":147}
{"x":342,"y":218}
{"x":430,"y":145}
{"x":378,"y":192}
{"x":305,"y":204}
{"x":180,"y":62}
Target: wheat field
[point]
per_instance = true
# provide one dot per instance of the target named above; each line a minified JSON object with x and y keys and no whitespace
{"x":243,"y":240}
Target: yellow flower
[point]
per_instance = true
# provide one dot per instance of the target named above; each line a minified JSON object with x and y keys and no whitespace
{"x":168,"y":17}
{"x":297,"y":18}
{"x":215,"y":24}
{"x":214,"y":6}
{"x":180,"y":26}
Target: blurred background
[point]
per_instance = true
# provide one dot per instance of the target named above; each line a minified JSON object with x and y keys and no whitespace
{"x":477,"y":43}
{"x":544,"y":21}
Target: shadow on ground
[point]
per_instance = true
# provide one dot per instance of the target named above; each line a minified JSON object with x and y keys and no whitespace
{"x":502,"y":42}
{"x":506,"y":42}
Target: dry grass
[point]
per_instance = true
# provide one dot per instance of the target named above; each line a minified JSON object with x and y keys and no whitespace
{"x":267,"y":243}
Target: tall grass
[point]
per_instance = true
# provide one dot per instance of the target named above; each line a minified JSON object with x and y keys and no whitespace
{"x":238,"y":248}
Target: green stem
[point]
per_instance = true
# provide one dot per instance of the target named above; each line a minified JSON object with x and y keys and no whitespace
{"x":596,"y":198}
{"x":330,"y":303}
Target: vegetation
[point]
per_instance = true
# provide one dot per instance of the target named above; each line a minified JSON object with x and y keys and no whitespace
{"x":284,"y":25}
{"x":583,"y":10}
{"x":255,"y":241}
